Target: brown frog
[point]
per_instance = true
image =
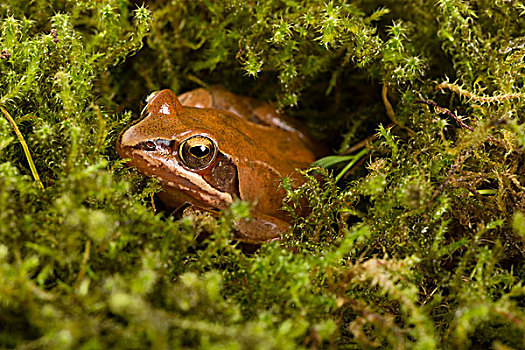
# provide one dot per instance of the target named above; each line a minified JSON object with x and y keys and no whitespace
{"x":210,"y":146}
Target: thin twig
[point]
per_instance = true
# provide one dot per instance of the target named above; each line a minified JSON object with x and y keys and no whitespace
{"x":24,"y":146}
{"x":443,"y":110}
{"x":390,"y":111}
{"x":364,"y":142}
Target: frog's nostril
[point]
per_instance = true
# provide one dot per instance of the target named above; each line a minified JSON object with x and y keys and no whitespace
{"x":149,"y":146}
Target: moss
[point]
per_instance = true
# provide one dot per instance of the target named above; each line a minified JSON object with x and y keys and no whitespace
{"x":415,"y":236}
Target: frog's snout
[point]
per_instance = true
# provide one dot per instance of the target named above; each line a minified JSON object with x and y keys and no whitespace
{"x":126,"y":141}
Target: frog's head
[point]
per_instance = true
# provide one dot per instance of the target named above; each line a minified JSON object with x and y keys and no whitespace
{"x":170,"y":143}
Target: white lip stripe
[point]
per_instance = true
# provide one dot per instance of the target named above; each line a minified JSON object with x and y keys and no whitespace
{"x":207,"y":192}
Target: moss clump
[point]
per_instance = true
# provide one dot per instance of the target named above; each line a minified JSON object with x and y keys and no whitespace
{"x":415,"y":238}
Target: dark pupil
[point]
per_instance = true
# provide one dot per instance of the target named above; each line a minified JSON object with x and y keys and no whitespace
{"x":199,"y":151}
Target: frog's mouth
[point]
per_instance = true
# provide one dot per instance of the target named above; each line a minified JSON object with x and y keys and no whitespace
{"x":199,"y":187}
{"x":196,"y":189}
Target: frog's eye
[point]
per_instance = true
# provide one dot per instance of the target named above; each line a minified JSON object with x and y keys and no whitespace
{"x":197,"y":151}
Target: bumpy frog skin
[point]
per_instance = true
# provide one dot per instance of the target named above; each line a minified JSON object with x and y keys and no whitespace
{"x":209,"y":146}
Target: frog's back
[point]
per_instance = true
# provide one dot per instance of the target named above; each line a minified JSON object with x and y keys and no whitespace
{"x":281,"y":150}
{"x":250,"y":109}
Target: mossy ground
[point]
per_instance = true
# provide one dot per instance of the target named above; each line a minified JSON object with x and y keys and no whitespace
{"x":419,"y":244}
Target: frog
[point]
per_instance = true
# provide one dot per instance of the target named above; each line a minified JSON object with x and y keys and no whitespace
{"x":210,"y":147}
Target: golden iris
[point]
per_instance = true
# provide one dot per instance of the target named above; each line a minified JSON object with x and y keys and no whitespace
{"x":197,"y":151}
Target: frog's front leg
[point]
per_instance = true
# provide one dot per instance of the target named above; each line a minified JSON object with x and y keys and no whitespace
{"x":260,"y":228}
{"x":254,"y":229}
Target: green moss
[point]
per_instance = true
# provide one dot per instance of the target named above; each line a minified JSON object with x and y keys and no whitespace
{"x":415,"y":238}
